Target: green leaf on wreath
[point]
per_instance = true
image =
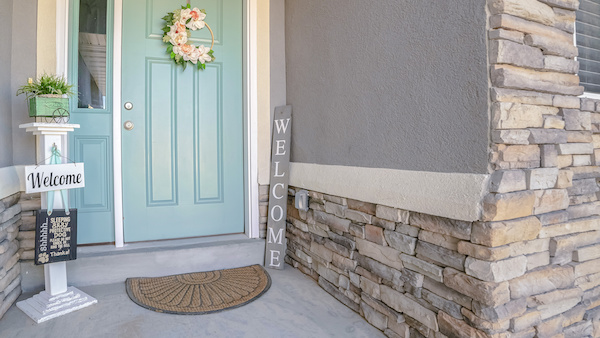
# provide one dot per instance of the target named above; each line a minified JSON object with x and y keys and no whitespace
{"x":172,"y":55}
{"x":203,"y":11}
{"x":184,"y":65}
{"x":169,"y":48}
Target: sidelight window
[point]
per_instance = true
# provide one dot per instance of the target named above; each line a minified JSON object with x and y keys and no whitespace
{"x":587,"y":39}
{"x":91,"y":56}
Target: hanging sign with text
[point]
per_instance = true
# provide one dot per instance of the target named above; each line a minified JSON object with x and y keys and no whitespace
{"x":280,"y":164}
{"x":55,"y":236}
{"x":54,"y":177}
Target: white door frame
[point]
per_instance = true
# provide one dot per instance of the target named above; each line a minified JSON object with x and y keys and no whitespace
{"x":250,"y":108}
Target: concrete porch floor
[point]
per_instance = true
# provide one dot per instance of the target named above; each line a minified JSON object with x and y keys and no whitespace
{"x":294,"y":306}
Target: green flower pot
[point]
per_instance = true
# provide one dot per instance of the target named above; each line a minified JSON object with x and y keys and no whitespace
{"x":48,"y":106}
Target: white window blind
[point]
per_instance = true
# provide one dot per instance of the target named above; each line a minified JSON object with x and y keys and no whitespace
{"x":587,"y":38}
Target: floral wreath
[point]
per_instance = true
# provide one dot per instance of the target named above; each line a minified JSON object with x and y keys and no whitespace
{"x":176,"y":35}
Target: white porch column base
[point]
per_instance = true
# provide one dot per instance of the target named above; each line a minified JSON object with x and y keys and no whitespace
{"x":57,"y":299}
{"x":43,"y":306}
{"x":55,"y":275}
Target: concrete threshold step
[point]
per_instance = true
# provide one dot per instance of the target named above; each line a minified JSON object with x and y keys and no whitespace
{"x":106,"y":264}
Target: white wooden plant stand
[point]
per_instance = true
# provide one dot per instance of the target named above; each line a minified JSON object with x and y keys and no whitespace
{"x":57,"y":299}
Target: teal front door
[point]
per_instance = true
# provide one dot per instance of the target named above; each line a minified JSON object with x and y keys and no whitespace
{"x":183,"y":160}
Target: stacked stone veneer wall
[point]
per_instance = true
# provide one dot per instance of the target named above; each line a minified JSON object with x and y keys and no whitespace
{"x":30,"y":203}
{"x":10,"y":270}
{"x":263,"y":205}
{"x":544,"y":186}
{"x":17,"y":232}
{"x":411,"y":274}
{"x":531,"y":265}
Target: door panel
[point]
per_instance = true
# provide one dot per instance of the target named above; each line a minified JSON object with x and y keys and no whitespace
{"x":90,"y":70}
{"x":161,"y":124}
{"x":183,"y":160}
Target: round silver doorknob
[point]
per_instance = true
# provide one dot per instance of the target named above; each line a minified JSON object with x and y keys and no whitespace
{"x":128,"y":105}
{"x":128,"y":125}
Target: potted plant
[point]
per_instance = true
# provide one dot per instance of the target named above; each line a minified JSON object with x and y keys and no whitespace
{"x":48,"y":96}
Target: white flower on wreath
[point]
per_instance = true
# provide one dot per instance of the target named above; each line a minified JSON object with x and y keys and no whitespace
{"x":195,"y":17}
{"x":179,"y":40}
{"x":177,"y":34}
{"x":184,"y":15}
{"x":193,"y":53}
{"x":197,"y":21}
{"x":187,"y":51}
{"x":204,"y":57}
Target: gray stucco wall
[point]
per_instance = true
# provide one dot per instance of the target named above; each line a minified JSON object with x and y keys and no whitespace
{"x":277,"y":53}
{"x":23,"y":65}
{"x":6,"y":153}
{"x":388,"y":84}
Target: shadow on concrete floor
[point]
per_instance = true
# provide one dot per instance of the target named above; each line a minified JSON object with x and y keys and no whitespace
{"x":294,"y":306}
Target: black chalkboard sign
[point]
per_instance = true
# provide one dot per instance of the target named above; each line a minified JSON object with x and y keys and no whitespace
{"x":55,"y":236}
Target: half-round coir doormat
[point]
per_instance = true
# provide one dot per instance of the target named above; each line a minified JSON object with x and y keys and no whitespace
{"x":200,"y":292}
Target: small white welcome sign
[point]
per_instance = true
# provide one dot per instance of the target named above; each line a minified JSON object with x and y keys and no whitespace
{"x":54,"y":177}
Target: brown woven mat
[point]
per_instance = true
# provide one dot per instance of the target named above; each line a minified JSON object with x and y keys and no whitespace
{"x":200,"y":292}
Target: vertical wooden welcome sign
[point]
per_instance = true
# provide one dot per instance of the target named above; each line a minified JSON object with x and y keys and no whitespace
{"x":280,"y":164}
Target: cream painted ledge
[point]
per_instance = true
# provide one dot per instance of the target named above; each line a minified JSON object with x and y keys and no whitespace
{"x":452,"y":195}
{"x":11,"y":180}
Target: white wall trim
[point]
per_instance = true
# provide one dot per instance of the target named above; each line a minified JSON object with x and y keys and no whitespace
{"x":589,"y":95}
{"x":251,"y":88}
{"x":452,"y":195}
{"x":62,"y":37}
{"x":117,"y":166}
